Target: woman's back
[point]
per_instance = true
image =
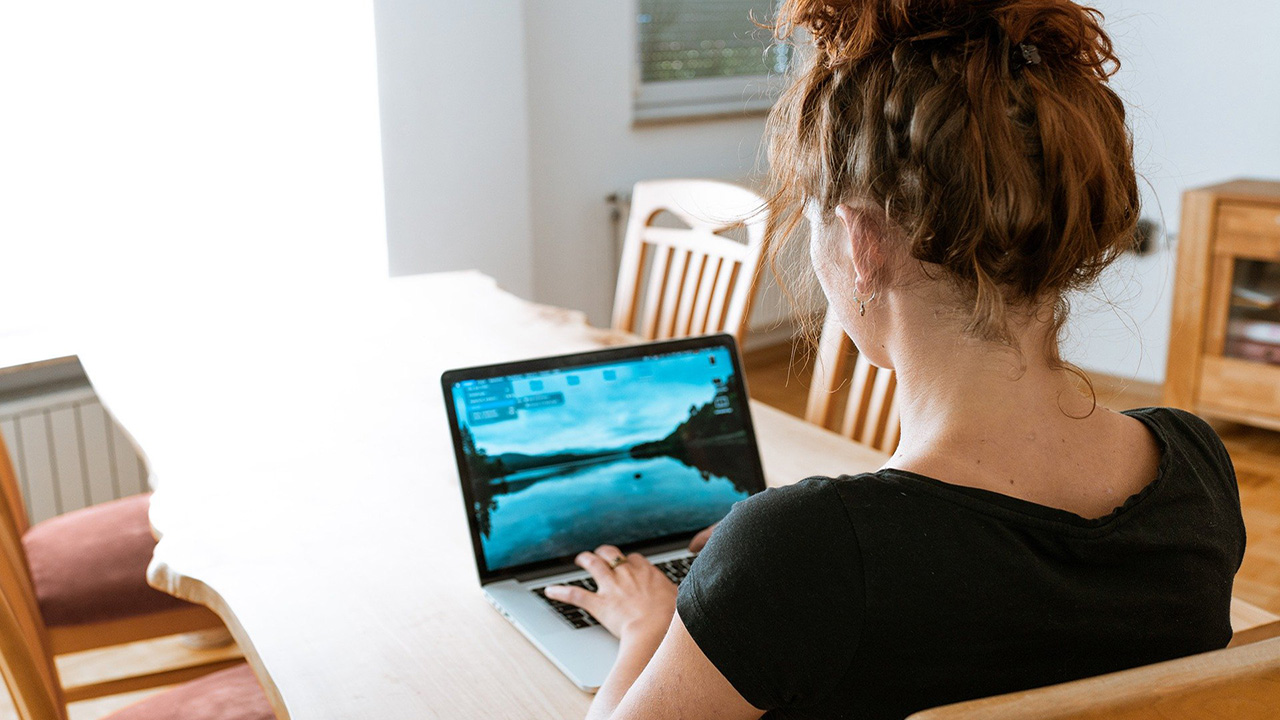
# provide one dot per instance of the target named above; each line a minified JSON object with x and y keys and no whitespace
{"x":877,"y":595}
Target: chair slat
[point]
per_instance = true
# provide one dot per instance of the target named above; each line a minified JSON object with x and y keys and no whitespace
{"x":873,"y":428}
{"x":659,"y":271}
{"x":697,"y":263}
{"x":706,"y":288}
{"x":720,"y":295}
{"x":855,"y":412}
{"x":671,"y":296}
{"x":738,"y":312}
{"x":737,"y":306}
{"x":829,"y":369}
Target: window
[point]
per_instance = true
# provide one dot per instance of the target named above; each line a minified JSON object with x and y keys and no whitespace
{"x":706,"y":57}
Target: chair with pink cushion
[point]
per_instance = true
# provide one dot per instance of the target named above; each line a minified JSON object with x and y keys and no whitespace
{"x":29,"y":672}
{"x":87,"y":571}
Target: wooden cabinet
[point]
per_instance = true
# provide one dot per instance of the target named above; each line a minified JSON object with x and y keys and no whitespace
{"x":1224,"y":348}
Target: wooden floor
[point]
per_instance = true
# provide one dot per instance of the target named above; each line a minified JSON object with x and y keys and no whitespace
{"x":779,"y":376}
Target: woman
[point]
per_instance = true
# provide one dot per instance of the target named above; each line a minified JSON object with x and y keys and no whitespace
{"x":962,"y":166}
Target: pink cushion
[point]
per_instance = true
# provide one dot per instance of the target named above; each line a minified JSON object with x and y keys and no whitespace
{"x":231,"y":694}
{"x":90,"y":565}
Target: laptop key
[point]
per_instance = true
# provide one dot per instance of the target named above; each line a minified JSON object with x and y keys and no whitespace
{"x":577,"y":617}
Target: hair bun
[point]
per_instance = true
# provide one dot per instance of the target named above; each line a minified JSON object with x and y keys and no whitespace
{"x":847,"y":31}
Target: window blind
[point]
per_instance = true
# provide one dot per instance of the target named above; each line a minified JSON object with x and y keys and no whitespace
{"x":691,"y":39}
{"x":699,"y":57}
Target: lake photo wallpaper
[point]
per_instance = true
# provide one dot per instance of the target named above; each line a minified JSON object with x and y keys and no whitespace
{"x":566,"y":460}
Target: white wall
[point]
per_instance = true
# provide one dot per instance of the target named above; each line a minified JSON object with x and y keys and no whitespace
{"x":1203,"y":84}
{"x":583,"y":146}
{"x":455,"y":138}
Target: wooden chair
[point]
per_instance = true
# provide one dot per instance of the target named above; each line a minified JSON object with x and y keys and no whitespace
{"x":678,"y":282}
{"x":89,"y":586}
{"x":1239,"y":683}
{"x":871,"y":411}
{"x":26,"y":659}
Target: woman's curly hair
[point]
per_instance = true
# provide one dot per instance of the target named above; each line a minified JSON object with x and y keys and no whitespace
{"x":986,"y":130}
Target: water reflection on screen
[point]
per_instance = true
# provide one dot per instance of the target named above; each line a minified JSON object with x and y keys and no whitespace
{"x":565,"y":460}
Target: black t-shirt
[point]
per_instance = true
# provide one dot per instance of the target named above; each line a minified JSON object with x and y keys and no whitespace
{"x":877,"y":595}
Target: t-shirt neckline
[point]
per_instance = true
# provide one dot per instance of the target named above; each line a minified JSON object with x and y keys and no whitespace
{"x":981,"y":499}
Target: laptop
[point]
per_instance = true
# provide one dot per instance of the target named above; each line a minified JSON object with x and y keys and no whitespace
{"x":639,"y":447}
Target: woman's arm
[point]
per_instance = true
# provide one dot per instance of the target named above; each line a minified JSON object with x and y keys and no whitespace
{"x":660,"y":671}
{"x":678,"y":682}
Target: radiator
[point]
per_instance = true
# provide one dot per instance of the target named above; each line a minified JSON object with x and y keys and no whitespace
{"x":67,"y":450}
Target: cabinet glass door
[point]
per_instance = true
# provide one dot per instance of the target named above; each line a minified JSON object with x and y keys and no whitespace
{"x":1253,"y":322}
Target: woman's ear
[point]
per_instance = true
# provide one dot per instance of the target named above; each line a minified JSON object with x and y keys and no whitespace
{"x":864,"y":239}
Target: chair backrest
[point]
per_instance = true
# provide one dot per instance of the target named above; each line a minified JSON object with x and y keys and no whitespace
{"x":871,"y":410}
{"x":1240,"y":683}
{"x":10,"y":495}
{"x":678,"y":282}
{"x":26,"y":655}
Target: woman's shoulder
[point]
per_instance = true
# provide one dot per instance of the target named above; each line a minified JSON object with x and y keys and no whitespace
{"x":816,"y":510}
{"x":781,"y":524}
{"x":789,"y":503}
{"x":1186,"y":439}
{"x":782,"y":537}
{"x":1174,"y":418}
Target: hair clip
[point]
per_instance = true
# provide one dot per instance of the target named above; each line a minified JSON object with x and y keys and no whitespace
{"x":1030,"y":53}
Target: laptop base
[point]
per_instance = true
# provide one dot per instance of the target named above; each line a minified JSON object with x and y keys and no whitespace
{"x":585,"y":655}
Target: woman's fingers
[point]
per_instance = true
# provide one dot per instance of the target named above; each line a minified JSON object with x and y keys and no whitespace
{"x":610,"y":553}
{"x":596,"y":565}
{"x":573,"y":595}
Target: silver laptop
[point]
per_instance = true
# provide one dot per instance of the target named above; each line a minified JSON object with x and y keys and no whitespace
{"x":639,"y":447}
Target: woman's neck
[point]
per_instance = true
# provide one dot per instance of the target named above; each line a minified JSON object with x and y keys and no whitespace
{"x":980,"y":414}
{"x":969,"y":389}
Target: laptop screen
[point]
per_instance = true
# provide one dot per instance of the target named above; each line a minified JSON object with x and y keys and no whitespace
{"x":620,"y":446}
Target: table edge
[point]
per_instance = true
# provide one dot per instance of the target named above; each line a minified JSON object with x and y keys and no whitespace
{"x":184,"y":587}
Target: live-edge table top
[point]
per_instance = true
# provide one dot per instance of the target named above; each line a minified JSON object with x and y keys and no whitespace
{"x":305,"y":488}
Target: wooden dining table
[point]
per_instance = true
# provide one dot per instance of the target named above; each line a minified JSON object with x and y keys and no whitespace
{"x":306,"y":488}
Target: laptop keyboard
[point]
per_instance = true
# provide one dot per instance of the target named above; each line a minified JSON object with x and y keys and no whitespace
{"x":675,"y":570}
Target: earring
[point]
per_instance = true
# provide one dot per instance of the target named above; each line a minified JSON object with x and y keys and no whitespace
{"x":862,"y":304}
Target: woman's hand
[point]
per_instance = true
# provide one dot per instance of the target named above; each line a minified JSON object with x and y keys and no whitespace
{"x":699,"y":541}
{"x":633,"y":598}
